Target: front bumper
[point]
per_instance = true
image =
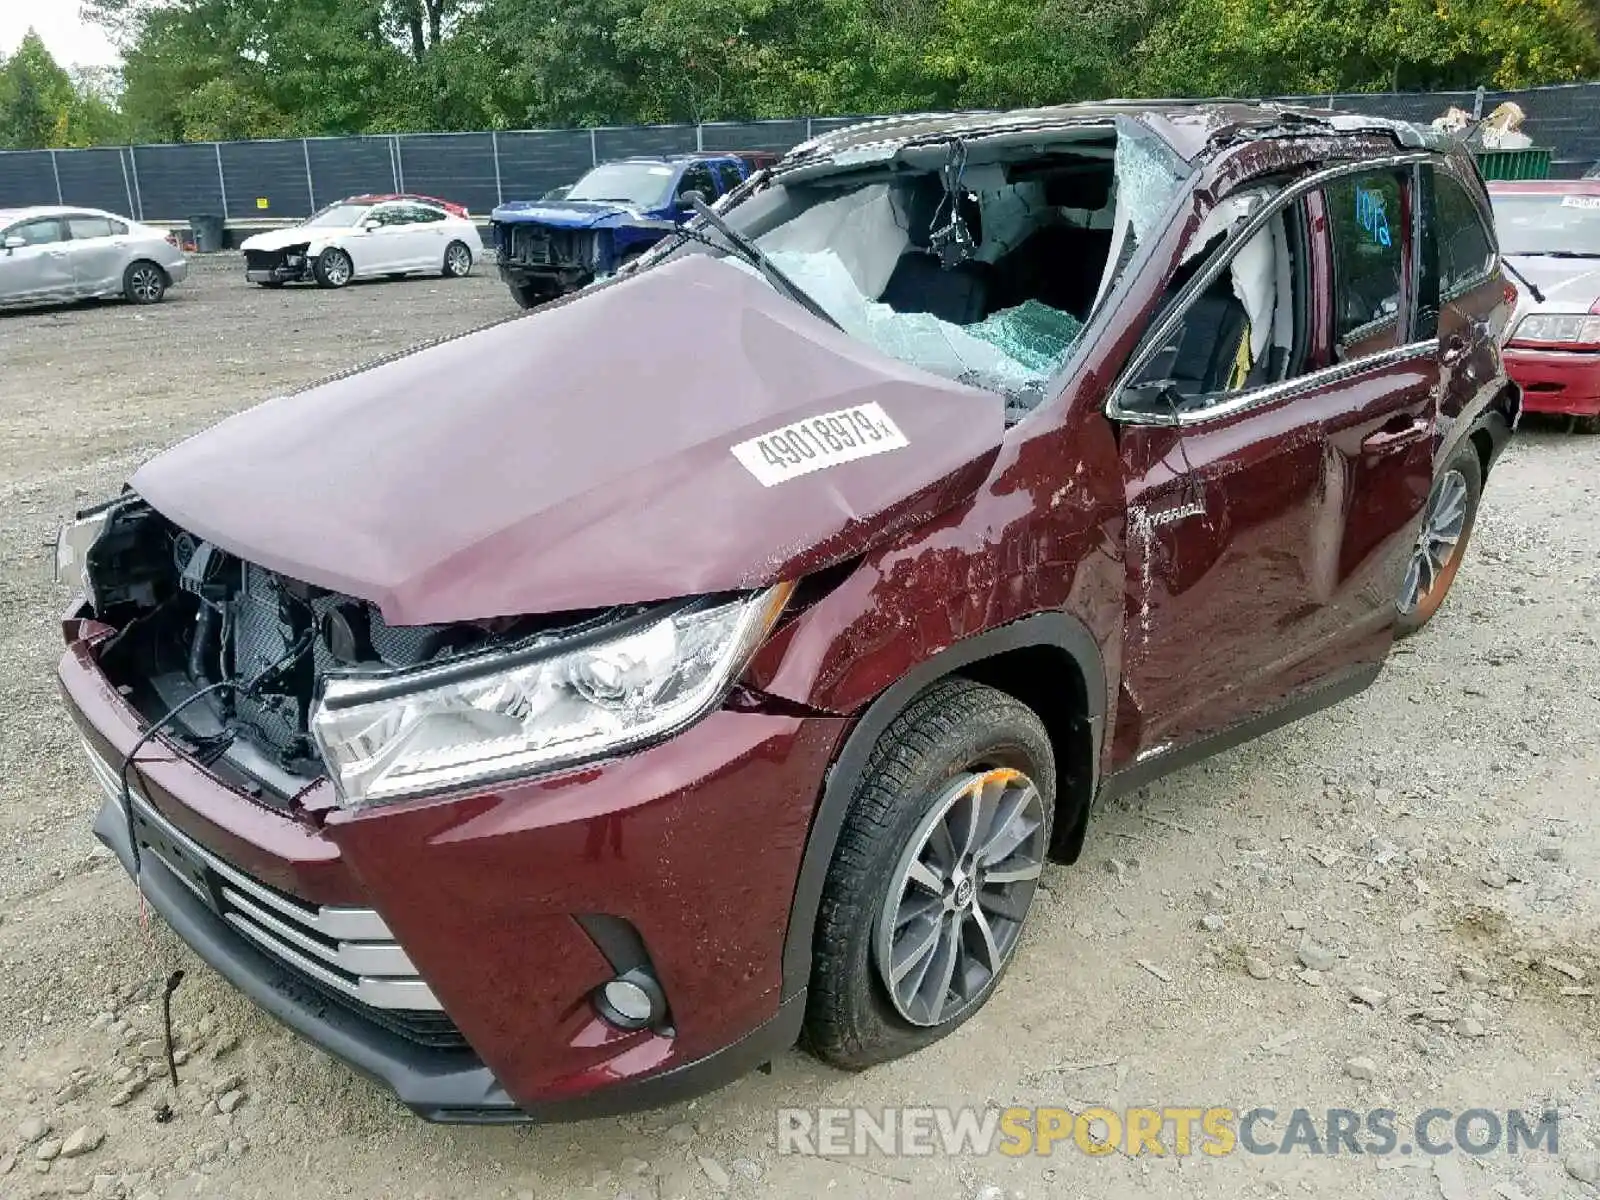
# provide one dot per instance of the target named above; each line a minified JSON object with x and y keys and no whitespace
{"x":1562,"y":382}
{"x":267,"y":267}
{"x":694,"y":845}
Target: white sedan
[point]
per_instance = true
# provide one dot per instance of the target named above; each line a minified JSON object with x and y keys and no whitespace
{"x":54,"y":253}
{"x":358,"y":239}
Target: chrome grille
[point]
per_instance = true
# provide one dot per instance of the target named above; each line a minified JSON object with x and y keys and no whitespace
{"x":349,"y":951}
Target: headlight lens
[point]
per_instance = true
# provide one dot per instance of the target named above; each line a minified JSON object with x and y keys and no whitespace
{"x":72,"y":550}
{"x":1575,"y":328}
{"x":384,"y":739}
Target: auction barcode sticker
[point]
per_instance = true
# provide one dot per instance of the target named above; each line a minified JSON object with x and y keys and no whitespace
{"x":822,"y":441}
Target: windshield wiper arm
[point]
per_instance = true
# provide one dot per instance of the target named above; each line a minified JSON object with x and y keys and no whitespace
{"x":1533,"y":288}
{"x":758,"y":259}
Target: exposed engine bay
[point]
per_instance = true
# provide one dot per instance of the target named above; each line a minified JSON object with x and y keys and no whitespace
{"x":190,"y":616}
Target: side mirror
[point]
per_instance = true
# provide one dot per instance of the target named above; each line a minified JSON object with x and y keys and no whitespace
{"x":14,"y":243}
{"x":368,"y":226}
{"x":1154,"y":396}
{"x":686,"y":199}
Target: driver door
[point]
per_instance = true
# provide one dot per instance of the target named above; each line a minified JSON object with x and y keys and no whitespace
{"x":1274,"y":476}
{"x":379,"y":244}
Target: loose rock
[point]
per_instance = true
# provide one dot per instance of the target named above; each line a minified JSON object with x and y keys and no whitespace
{"x":682,"y":1133}
{"x":81,"y":1141}
{"x":1258,"y":968}
{"x":1474,"y":976}
{"x":229,"y":1101}
{"x":1470,"y":1027}
{"x":1294,"y":919}
{"x":1368,"y":995}
{"x":1583,"y":1165}
{"x":1495,"y":878}
{"x":1213,"y":922}
{"x":1316,"y":957}
{"x":1361,"y":1068}
{"x":715,"y":1173}
{"x":49,"y":1150}
{"x":32,"y":1129}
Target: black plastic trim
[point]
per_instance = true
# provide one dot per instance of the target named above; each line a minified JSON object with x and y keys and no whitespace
{"x":1341,"y":687}
{"x":1057,"y":629}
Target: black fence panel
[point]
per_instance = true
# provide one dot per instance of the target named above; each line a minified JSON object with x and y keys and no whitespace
{"x":174,"y":182}
{"x":451,"y":166}
{"x":778,"y":136}
{"x":26,"y":178}
{"x":532,"y":163}
{"x":643,"y":139}
{"x":96,"y":178}
{"x":171,"y":183}
{"x":350,"y":166}
{"x":266,"y":179}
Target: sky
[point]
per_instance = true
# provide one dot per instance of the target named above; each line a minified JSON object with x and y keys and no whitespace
{"x":70,"y":39}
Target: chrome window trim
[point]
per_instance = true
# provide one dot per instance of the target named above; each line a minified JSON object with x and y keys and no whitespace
{"x":1164,"y":329}
{"x":1273,"y":392}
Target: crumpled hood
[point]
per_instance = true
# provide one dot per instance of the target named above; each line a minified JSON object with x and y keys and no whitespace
{"x":565,"y":214}
{"x":541,"y":465}
{"x":295,"y":235}
{"x":1568,"y":284}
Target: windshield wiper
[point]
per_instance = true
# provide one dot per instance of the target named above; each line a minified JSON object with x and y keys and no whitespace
{"x":758,"y":259}
{"x":1533,"y":288}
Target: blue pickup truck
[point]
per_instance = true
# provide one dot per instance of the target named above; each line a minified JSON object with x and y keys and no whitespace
{"x":613,"y":214}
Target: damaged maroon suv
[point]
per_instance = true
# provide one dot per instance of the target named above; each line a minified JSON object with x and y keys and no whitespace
{"x":548,"y":725}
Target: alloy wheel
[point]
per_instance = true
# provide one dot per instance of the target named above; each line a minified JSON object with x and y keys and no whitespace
{"x":337,"y":268}
{"x":1438,"y":543}
{"x":959,"y":895}
{"x":458,"y":261}
{"x":145,"y":284}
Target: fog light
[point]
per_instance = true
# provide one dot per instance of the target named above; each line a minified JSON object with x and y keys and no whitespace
{"x":631,"y":1001}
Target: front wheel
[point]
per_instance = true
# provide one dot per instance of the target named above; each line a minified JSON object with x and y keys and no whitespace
{"x":933,"y":876}
{"x":531,"y":295}
{"x":1447,"y":524}
{"x":333,"y":268}
{"x":144,"y":283}
{"x":457,"y":260}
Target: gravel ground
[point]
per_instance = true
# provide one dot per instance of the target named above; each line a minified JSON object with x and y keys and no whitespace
{"x":1430,"y":845}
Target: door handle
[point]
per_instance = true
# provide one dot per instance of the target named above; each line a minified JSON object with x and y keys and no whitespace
{"x":1401,"y":431}
{"x":1455,"y":350}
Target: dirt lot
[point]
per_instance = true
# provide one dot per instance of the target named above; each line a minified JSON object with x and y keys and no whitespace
{"x":1438,"y":836}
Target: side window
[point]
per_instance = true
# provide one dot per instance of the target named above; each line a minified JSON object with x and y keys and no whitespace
{"x":423,"y":214}
{"x":730,"y":176}
{"x":118,"y":228}
{"x":39,"y":233}
{"x":84,"y":228}
{"x":1466,"y":249}
{"x":1367,"y":233}
{"x":387,"y":216}
{"x":1248,"y":328}
{"x":697,"y":178}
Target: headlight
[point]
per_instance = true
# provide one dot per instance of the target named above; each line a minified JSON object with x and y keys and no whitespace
{"x":513,"y":714}
{"x":1574,"y":328}
{"x":72,"y":549}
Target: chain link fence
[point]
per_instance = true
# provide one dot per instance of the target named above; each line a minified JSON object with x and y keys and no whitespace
{"x":291,"y":178}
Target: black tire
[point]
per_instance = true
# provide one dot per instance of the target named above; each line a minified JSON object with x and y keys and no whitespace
{"x":333,"y":268}
{"x":954,"y":727}
{"x":144,"y":282}
{"x":1465,"y":464}
{"x":1587,"y":425}
{"x":457,"y":260}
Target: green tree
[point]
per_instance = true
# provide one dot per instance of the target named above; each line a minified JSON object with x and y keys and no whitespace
{"x":36,"y":98}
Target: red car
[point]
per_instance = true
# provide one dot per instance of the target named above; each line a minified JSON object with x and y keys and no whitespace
{"x":570,"y":716}
{"x":1550,"y":232}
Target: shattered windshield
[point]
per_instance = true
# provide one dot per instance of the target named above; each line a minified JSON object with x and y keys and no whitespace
{"x":641,"y":184}
{"x":981,"y":266}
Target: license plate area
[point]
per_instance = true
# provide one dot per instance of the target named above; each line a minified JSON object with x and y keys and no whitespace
{"x":155,"y":840}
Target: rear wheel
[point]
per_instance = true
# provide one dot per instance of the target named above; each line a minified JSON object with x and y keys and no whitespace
{"x":1589,"y":425}
{"x":333,"y":268}
{"x":144,"y":283}
{"x":933,"y":876}
{"x":457,"y":260}
{"x":1446,"y":528}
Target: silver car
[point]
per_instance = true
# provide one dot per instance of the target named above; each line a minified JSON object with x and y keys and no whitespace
{"x":51,"y":253}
